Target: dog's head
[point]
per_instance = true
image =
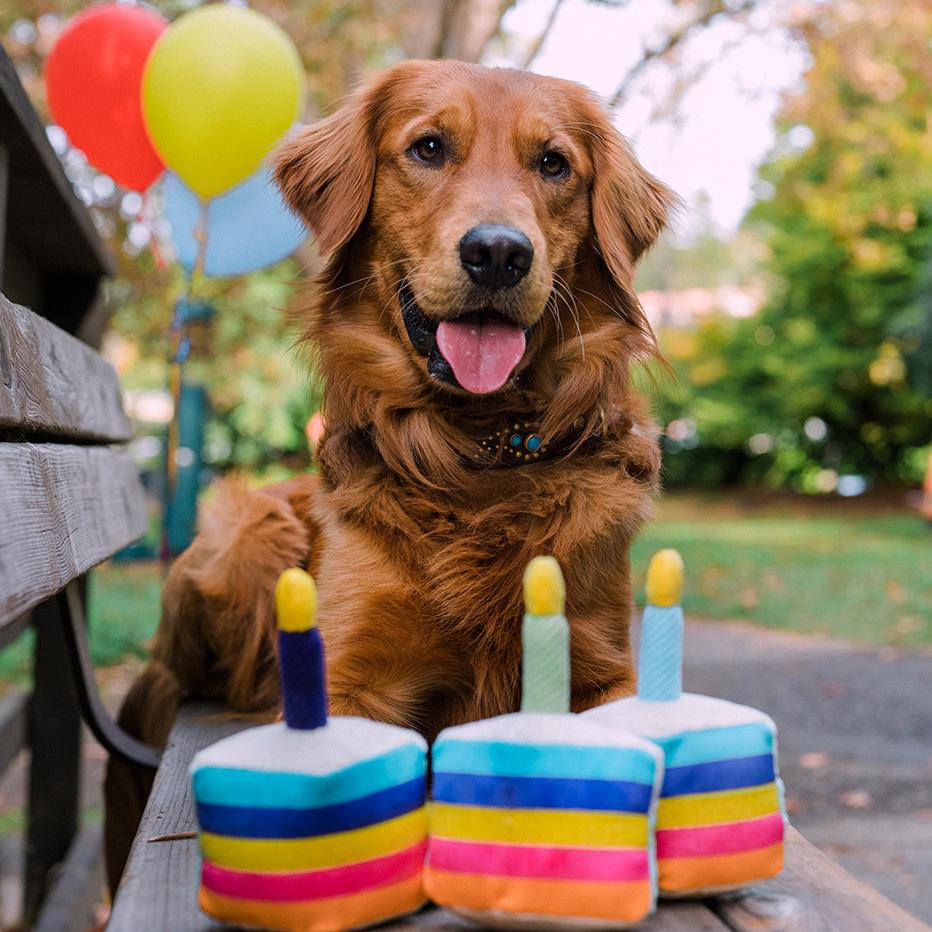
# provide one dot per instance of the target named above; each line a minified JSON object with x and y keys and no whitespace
{"x":477,"y":194}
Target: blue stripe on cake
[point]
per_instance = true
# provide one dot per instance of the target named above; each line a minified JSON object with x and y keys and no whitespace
{"x":540,"y":792}
{"x":714,"y":744}
{"x":267,"y":822}
{"x":718,"y":775}
{"x":231,"y":786}
{"x":501,"y":758}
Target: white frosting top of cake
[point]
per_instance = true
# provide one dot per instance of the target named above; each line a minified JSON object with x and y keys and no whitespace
{"x":688,"y":713}
{"x":547,"y":728}
{"x":343,"y":741}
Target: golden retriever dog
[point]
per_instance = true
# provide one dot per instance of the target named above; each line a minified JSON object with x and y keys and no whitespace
{"x":475,"y":328}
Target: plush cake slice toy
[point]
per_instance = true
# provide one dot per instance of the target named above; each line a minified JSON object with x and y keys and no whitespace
{"x":541,"y":819}
{"x":720,"y":822}
{"x":311,"y":823}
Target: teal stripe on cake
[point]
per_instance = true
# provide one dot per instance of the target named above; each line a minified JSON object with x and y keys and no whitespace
{"x":585,"y":762}
{"x":714,"y":744}
{"x":230,"y":786}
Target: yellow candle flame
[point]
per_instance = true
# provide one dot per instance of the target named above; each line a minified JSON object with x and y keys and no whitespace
{"x":295,"y":601}
{"x":665,"y":578}
{"x":544,"y":590}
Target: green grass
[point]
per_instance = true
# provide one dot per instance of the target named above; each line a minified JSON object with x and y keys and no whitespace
{"x":864,"y":577}
{"x":123,"y":613}
{"x":839,"y":572}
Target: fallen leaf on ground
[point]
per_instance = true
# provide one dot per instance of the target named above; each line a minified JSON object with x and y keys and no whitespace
{"x":814,"y":760}
{"x":856,"y":799}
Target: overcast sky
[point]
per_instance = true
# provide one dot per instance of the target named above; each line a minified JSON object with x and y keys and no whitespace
{"x":710,"y":147}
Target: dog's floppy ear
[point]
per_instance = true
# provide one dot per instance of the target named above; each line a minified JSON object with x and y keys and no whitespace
{"x":326,"y":171}
{"x":630,"y":207}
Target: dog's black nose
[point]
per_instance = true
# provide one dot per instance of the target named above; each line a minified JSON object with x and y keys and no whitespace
{"x":496,"y":256}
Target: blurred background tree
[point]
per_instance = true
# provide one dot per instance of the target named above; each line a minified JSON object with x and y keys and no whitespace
{"x":828,"y":386}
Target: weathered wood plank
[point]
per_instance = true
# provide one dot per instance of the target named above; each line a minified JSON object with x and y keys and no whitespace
{"x":812,"y":894}
{"x":14,"y":711}
{"x":79,"y":886}
{"x":159,"y":887}
{"x":62,"y":510}
{"x":53,"y":384}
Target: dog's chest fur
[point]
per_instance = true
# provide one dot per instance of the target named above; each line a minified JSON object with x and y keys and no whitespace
{"x":449,"y":566}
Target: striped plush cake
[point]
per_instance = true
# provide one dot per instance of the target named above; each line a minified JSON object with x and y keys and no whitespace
{"x":720,"y":822}
{"x":541,"y":818}
{"x":313,"y":823}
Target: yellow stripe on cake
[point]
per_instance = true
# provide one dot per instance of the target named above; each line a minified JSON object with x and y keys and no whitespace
{"x":716,"y":808}
{"x":539,"y":826}
{"x":322,"y":851}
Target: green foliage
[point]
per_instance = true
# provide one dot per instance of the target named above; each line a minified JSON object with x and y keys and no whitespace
{"x":845,"y":340}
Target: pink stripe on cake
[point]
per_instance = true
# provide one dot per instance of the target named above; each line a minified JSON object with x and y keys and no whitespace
{"x":315,"y":885}
{"x":729,"y":838}
{"x":541,"y":861}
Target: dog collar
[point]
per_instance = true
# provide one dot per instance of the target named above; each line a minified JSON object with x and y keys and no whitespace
{"x":520,"y":442}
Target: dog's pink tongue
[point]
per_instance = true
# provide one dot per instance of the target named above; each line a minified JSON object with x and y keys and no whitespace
{"x":483,"y":351}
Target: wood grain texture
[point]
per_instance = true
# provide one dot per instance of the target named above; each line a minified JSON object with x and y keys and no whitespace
{"x":812,"y":894}
{"x":159,"y":886}
{"x":63,"y":509}
{"x":53,"y":384}
{"x":78,"y":887}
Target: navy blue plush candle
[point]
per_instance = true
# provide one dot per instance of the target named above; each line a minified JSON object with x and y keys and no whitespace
{"x":300,"y":651}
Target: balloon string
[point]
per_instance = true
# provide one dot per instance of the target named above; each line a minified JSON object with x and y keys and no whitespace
{"x":200,"y":235}
{"x":144,"y":217}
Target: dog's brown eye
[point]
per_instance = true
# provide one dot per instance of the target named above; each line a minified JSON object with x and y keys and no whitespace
{"x":429,"y":149}
{"x":553,"y":165}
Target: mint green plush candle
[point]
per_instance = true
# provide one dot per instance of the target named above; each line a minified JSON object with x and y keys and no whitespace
{"x":545,"y":679}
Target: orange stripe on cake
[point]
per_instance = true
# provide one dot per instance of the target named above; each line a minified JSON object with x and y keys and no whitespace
{"x":626,"y":902}
{"x":682,"y":875}
{"x":340,"y":912}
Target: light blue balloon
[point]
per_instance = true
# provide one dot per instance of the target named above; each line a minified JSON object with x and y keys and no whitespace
{"x":248,"y":227}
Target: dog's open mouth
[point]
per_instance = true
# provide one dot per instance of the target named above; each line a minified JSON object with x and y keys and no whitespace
{"x":478,"y":351}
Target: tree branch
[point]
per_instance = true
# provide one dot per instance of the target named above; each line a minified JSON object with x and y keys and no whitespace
{"x":714,"y":9}
{"x":538,"y":43}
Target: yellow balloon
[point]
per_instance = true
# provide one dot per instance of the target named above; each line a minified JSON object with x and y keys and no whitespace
{"x":223,"y":84}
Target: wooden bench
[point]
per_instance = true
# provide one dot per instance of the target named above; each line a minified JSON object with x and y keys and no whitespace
{"x":159,"y":887}
{"x":69,"y":499}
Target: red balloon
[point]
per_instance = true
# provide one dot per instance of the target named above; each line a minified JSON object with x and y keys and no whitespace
{"x":93,"y":78}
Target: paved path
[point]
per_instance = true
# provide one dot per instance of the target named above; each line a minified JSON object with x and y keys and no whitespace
{"x":855,"y":728}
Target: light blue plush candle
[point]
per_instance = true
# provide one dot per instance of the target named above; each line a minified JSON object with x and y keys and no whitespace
{"x":660,"y":664}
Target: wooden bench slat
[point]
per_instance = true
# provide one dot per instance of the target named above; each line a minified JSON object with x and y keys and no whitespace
{"x":812,"y":894}
{"x":63,"y":510}
{"x":52,"y":384}
{"x":159,"y":886}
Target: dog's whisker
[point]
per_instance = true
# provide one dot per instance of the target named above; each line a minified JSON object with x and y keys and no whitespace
{"x":572,"y":306}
